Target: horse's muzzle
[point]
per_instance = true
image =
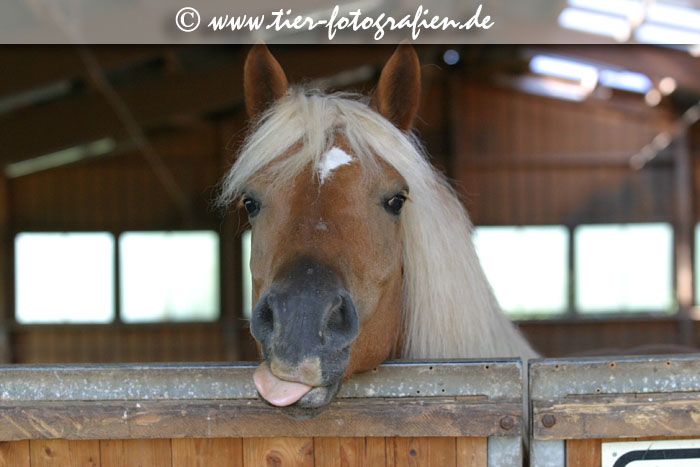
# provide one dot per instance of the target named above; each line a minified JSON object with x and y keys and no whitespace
{"x":305,"y":324}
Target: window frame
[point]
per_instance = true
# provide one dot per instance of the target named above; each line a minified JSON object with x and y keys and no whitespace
{"x":571,"y":314}
{"x":538,"y":315}
{"x":12,"y":283}
{"x":11,"y":302}
{"x":673,"y":308}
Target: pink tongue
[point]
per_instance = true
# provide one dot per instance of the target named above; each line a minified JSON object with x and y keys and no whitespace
{"x":277,"y":391}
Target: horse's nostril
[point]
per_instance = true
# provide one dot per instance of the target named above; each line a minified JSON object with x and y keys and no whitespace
{"x":342,"y":322}
{"x":262,"y":321}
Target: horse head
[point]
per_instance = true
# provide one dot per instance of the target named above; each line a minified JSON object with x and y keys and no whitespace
{"x":326,"y":249}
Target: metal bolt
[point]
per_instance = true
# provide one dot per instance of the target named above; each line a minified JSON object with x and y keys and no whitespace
{"x":507,"y":422}
{"x":548,"y":420}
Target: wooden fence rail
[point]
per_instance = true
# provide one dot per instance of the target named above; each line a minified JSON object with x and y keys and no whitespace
{"x":466,"y":413}
{"x":429,"y":413}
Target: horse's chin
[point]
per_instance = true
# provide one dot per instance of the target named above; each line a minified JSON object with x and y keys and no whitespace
{"x":312,"y":404}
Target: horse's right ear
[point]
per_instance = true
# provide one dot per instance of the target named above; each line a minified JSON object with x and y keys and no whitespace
{"x":264,"y":80}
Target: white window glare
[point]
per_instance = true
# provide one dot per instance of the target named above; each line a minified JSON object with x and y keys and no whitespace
{"x":169,"y":276}
{"x":625,"y":80}
{"x":247,"y":277}
{"x":674,"y":15}
{"x":64,"y":277}
{"x":593,"y":22}
{"x":653,"y":33}
{"x":564,"y":68}
{"x":527,"y":267}
{"x":623,"y":267}
{"x":627,"y":8}
{"x":548,"y":87}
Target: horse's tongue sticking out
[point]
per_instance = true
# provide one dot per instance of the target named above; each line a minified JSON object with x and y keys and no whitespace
{"x":277,"y":391}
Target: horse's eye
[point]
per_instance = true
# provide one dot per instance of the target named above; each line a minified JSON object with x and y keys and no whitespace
{"x":395,"y":203}
{"x":251,"y":206}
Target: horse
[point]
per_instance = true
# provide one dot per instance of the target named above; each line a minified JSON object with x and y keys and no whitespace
{"x":361,"y":250}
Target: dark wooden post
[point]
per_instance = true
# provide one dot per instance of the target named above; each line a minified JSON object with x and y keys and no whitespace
{"x":5,"y":270}
{"x":230,"y":251}
{"x":683,"y":242}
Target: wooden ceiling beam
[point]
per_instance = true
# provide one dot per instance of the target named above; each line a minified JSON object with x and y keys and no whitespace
{"x":34,"y":131}
{"x":27,"y":67}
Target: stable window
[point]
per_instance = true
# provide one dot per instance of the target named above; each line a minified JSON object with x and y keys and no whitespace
{"x":64,"y":277}
{"x":624,"y":268}
{"x":169,"y":276}
{"x":527,"y":267}
{"x":72,"y":277}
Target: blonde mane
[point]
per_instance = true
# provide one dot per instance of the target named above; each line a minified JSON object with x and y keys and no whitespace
{"x":449,"y":309}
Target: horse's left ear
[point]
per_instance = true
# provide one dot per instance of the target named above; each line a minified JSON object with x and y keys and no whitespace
{"x":264,"y":80}
{"x":398,"y":90}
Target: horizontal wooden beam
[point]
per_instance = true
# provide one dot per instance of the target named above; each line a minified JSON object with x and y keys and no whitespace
{"x":239,"y":418}
{"x":615,"y":397}
{"x":468,"y":398}
{"x":626,"y":416}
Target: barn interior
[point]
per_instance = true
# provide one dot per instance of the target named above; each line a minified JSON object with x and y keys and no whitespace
{"x":577,"y":165}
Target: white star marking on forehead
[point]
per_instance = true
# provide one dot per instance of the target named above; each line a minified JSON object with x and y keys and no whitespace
{"x":334,"y":158}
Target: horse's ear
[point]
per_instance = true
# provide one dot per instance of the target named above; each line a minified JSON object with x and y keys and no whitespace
{"x":398,"y":90}
{"x":264,"y":80}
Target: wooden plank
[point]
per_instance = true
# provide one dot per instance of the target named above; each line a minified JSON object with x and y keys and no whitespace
{"x":207,"y":452}
{"x":422,"y":451}
{"x":390,"y":452}
{"x":471,"y":452}
{"x":442,"y":451}
{"x":136,"y":452}
{"x":430,"y":416}
{"x":349,"y":452}
{"x":582,"y":453}
{"x":14,"y":454}
{"x":624,"y":416}
{"x":327,"y":451}
{"x":372,"y":451}
{"x":61,"y":452}
{"x":406,"y":451}
{"x":278,"y":452}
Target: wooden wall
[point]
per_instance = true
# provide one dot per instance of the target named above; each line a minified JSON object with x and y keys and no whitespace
{"x":121,"y":192}
{"x":192,"y":342}
{"x":523,"y":159}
